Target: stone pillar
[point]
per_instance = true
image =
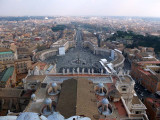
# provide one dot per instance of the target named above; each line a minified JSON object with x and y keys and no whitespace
{"x":24,"y":83}
{"x":128,"y":71}
{"x":82,"y":70}
{"x":67,"y":70}
{"x":63,"y":71}
{"x":78,"y":70}
{"x":101,"y":71}
{"x":92,"y":71}
{"x":88,"y":71}
{"x":73,"y":70}
{"x":29,"y":72}
{"x":94,"y":51}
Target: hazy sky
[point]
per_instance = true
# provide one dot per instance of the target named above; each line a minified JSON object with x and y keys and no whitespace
{"x":80,"y":7}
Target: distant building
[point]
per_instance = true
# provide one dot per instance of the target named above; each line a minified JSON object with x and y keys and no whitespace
{"x":23,"y":52}
{"x":153,"y":108}
{"x":22,"y":65}
{"x":6,"y":54}
{"x":147,"y":73}
{"x":8,"y":77}
{"x":41,"y":68}
{"x":14,"y":100}
{"x":140,"y":54}
{"x":3,"y":45}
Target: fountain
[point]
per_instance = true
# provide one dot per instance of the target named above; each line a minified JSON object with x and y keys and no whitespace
{"x":30,"y":116}
{"x":78,"y":62}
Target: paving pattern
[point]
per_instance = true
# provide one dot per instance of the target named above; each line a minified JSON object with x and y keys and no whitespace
{"x":73,"y":55}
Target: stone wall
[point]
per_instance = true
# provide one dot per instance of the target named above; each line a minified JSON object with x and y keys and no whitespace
{"x":54,"y":51}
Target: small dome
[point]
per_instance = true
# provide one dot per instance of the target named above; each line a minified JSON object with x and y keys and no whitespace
{"x":54,"y":84}
{"x":30,"y":116}
{"x":47,"y":101}
{"x":56,"y":116}
{"x":100,"y":85}
{"x":105,"y":101}
{"x":33,"y":96}
{"x":78,"y":118}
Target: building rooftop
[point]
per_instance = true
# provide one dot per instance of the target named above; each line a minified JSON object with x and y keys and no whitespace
{"x":135,"y":100}
{"x":8,"y":52}
{"x":49,"y":69}
{"x":40,"y":78}
{"x":36,"y":106}
{"x":3,"y":50}
{"x":114,"y":93}
{"x":86,"y":104}
{"x":40,"y":65}
{"x":154,"y":102}
{"x":71,"y":101}
{"x":4,"y":76}
{"x":67,"y":99}
{"x":125,"y":79}
{"x":10,"y":92}
{"x":149,"y":62}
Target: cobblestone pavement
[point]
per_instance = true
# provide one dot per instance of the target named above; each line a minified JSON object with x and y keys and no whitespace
{"x":75,"y":54}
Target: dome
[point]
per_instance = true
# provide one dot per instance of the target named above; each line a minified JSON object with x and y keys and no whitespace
{"x":30,"y":116}
{"x":8,"y":117}
{"x":56,"y":116}
{"x":54,"y":84}
{"x":79,"y":118}
{"x":100,"y":85}
{"x":105,"y":101}
{"x":47,"y":101}
{"x":33,"y":96}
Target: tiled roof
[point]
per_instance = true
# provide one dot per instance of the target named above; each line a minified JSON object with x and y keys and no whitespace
{"x":114,"y":93}
{"x":10,"y":92}
{"x":6,"y":74}
{"x":85,"y":105}
{"x":154,"y":101}
{"x":135,"y":100}
{"x":35,"y":77}
{"x":149,"y":62}
{"x":67,"y":99}
{"x":76,"y":98}
{"x":120,"y":108}
{"x":5,"y":50}
{"x":8,"y":52}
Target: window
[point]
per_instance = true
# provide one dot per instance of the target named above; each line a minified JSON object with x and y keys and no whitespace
{"x":123,"y":89}
{"x":138,"y":112}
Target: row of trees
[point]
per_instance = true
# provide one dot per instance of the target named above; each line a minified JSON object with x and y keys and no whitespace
{"x":139,"y":40}
{"x":58,"y":28}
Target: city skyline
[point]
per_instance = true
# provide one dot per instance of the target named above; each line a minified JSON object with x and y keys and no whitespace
{"x":141,"y":8}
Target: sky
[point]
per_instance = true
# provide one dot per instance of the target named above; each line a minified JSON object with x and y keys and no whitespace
{"x":145,"y":8}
